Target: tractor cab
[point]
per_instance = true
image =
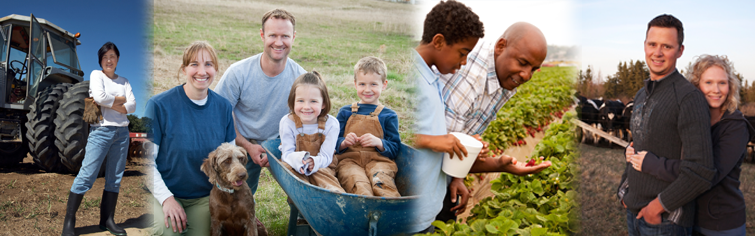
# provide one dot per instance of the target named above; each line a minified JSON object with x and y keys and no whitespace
{"x":34,"y":55}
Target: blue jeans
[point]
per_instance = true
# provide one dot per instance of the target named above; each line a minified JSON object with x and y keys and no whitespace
{"x":103,"y":141}
{"x":253,"y":171}
{"x":638,"y":227}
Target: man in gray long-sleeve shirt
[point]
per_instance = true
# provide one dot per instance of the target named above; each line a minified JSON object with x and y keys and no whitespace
{"x":670,"y":119}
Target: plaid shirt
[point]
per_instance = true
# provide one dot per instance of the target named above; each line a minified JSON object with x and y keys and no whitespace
{"x":473,"y":94}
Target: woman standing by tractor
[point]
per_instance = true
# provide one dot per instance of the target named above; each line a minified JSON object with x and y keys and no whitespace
{"x":108,"y":139}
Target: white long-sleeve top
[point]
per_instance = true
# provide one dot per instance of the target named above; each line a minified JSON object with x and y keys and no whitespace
{"x":104,"y":90}
{"x":157,"y":186}
{"x":288,"y":133}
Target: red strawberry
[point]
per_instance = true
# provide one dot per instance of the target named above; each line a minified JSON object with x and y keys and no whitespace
{"x":520,"y":142}
{"x":531,"y":162}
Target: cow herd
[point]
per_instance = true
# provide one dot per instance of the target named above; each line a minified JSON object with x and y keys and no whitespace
{"x":610,"y":116}
{"x":614,"y":116}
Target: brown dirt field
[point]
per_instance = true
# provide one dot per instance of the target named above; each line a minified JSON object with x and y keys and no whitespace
{"x":33,"y":202}
{"x":601,"y":170}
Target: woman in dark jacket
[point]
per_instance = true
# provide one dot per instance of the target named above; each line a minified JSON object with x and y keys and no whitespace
{"x":720,"y":210}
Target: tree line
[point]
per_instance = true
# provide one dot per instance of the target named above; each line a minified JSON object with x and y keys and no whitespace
{"x":138,"y":125}
{"x":629,"y":78}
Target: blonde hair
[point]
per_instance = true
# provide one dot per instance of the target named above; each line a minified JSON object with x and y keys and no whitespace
{"x":315,"y":79}
{"x":703,"y":63}
{"x":278,"y":14}
{"x":191,"y":52}
{"x":371,"y":64}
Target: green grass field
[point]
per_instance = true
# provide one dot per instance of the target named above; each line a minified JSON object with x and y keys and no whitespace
{"x":331,"y":36}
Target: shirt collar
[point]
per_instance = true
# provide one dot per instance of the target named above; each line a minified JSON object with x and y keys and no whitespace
{"x":424,"y":71}
{"x":487,"y":53}
{"x":651,"y":84}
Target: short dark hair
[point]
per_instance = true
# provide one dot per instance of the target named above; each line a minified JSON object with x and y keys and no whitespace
{"x":454,"y":20}
{"x":106,"y":47}
{"x":668,"y":21}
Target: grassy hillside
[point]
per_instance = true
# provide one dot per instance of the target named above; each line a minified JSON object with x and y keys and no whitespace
{"x":331,"y":36}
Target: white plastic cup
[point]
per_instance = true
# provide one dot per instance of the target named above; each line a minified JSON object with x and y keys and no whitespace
{"x":460,"y":168}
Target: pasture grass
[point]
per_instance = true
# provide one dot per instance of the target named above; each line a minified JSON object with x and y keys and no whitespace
{"x":331,"y":36}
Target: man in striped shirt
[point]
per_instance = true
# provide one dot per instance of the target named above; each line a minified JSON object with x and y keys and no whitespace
{"x":474,"y":94}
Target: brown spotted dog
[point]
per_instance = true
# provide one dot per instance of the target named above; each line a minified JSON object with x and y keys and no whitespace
{"x":231,"y":200}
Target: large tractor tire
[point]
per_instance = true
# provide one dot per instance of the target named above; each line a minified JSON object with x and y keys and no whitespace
{"x":41,"y":127}
{"x":72,"y":132}
{"x":14,"y":152}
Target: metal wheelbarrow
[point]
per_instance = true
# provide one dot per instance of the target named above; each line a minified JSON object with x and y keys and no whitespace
{"x":331,"y":213}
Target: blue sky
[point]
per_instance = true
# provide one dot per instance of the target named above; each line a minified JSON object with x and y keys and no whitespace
{"x":614,"y":31}
{"x":121,"y":22}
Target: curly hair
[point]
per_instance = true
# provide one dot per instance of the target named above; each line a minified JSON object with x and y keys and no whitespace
{"x":454,"y":20}
{"x":703,"y":62}
{"x":668,"y":21}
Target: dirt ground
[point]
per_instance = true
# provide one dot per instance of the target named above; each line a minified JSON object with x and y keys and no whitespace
{"x":601,"y":169}
{"x":33,"y":202}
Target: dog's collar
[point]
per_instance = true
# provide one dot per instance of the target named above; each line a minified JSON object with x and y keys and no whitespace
{"x":227,"y":190}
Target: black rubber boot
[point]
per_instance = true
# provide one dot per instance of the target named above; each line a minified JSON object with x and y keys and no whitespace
{"x":107,"y":210}
{"x":74,"y":200}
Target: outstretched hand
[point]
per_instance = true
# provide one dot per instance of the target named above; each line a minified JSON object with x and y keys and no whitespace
{"x":521,"y":169}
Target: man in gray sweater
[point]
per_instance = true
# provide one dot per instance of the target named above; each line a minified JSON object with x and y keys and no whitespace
{"x":670,"y":119}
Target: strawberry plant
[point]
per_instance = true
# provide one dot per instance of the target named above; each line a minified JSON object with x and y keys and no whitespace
{"x":547,"y":95}
{"x":538,"y":204}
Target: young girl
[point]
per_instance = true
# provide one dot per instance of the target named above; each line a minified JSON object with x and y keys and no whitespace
{"x":188,"y":122}
{"x":309,"y":134}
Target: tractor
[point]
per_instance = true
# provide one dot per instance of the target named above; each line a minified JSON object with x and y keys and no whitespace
{"x":42,"y":92}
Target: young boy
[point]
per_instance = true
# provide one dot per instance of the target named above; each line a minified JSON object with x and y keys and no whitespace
{"x":369,"y":140}
{"x":451,"y":31}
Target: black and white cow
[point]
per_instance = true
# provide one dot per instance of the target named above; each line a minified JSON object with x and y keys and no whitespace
{"x":611,"y":117}
{"x":590,"y":114}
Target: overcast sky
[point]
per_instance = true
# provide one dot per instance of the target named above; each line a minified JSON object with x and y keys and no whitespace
{"x":612,"y":31}
{"x":555,"y":18}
